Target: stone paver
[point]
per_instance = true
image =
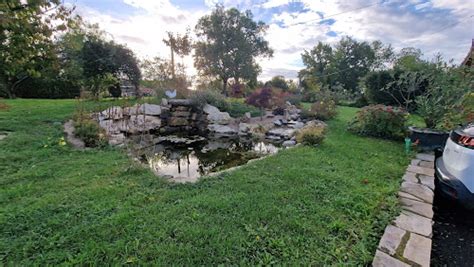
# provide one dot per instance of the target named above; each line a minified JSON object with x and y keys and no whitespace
{"x":384,"y":260}
{"x":405,"y":195}
{"x":425,"y":157}
{"x":414,"y":223}
{"x":407,"y":242}
{"x":410,"y":177}
{"x":426,"y":164}
{"x":391,"y":239}
{"x":420,"y":208}
{"x":418,"y":190}
{"x":421,"y":170}
{"x":418,"y":250}
{"x":427,"y":181}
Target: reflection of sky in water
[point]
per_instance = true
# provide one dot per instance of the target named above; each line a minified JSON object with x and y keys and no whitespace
{"x":188,"y":164}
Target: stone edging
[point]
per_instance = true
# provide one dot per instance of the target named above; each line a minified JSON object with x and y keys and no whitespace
{"x":407,"y":240}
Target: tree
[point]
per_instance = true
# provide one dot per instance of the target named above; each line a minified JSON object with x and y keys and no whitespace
{"x":26,"y":45}
{"x":261,"y":98}
{"x":102,"y":59}
{"x":179,"y":44}
{"x":279,"y":82}
{"x":157,"y":73}
{"x":229,"y":41}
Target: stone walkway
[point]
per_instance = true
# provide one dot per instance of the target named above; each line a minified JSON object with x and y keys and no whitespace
{"x":407,"y":240}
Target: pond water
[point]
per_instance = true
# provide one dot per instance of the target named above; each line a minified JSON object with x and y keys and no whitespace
{"x":184,"y":162}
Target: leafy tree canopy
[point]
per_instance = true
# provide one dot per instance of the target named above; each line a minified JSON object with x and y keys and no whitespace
{"x":229,"y":42}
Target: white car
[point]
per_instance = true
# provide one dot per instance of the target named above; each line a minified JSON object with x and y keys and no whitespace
{"x":455,"y":167}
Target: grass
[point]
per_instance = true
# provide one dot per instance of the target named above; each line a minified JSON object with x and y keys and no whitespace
{"x":325,"y":205}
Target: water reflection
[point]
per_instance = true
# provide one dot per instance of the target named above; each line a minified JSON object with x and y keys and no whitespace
{"x":186,"y":163}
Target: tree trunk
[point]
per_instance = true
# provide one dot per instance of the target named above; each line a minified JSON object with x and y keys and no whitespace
{"x":224,"y":86}
{"x":172,"y":63}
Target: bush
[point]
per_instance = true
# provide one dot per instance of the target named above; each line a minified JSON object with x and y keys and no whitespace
{"x":322,"y":109}
{"x":201,"y":98}
{"x":237,"y":108}
{"x":311,"y":135}
{"x":380,"y":121}
{"x":89,"y":131}
{"x":461,"y":113}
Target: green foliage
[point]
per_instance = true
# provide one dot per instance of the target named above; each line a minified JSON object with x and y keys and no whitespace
{"x":344,"y":64}
{"x":461,"y":113}
{"x":25,"y":40}
{"x":311,"y":135}
{"x":237,"y":108}
{"x":61,"y":206}
{"x":279,"y":82}
{"x":447,"y":85}
{"x":323,"y":109}
{"x":161,"y":75}
{"x":380,"y":121}
{"x":89,"y":131}
{"x":230,"y":30}
{"x":201,"y":98}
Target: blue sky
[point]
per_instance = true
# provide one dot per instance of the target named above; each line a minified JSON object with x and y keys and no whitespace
{"x":445,"y":26}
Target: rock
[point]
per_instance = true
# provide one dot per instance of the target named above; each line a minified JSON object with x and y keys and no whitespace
{"x":420,"y":208}
{"x":112,"y":113}
{"x":281,"y":132}
{"x":183,"y":114}
{"x":425,"y":157}
{"x":147,"y":109}
{"x":143,"y":123}
{"x":180,"y":108}
{"x":297,"y":125}
{"x":164,"y":102}
{"x":277,"y":123}
{"x":391,"y":239}
{"x":2,"y":136}
{"x":426,"y":164}
{"x":180,"y":102}
{"x":116,"y":139}
{"x":427,"y":181}
{"x":414,"y":223}
{"x":420,"y":191}
{"x":289,"y":143}
{"x":215,"y":116}
{"x":178,"y":121}
{"x":410,"y":177}
{"x":114,"y":127}
{"x":294,"y":117}
{"x":418,"y":250}
{"x":383,"y":260}
{"x":244,"y":128}
{"x":221,"y":129}
{"x":421,"y":170}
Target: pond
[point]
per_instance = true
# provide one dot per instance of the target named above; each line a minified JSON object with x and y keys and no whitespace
{"x":185,"y":160}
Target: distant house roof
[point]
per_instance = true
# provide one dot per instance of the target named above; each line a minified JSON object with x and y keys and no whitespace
{"x":468,"y":61}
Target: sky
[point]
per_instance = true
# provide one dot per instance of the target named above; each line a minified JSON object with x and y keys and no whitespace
{"x":445,"y":26}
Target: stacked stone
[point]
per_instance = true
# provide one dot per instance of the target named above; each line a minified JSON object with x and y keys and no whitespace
{"x":178,"y":115}
{"x":407,"y":241}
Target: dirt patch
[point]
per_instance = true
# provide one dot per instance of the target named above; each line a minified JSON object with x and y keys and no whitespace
{"x":71,"y":138}
{"x":4,"y":106}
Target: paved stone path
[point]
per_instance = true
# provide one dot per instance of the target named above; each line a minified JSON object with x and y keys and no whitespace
{"x":407,"y":240}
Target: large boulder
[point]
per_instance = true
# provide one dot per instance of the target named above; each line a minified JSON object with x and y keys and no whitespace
{"x":146,"y":109}
{"x":114,"y":127}
{"x":143,"y":123}
{"x":215,"y":116}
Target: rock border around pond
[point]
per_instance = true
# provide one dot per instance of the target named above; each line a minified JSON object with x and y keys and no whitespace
{"x":407,"y":240}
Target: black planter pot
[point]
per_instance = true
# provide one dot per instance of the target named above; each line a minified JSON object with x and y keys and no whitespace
{"x":428,"y":139}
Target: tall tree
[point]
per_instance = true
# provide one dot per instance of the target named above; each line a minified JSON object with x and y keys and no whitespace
{"x":229,"y":41}
{"x":179,"y":44}
{"x":26,"y":44}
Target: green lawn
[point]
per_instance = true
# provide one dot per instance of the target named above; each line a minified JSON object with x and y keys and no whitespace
{"x":324,"y":205}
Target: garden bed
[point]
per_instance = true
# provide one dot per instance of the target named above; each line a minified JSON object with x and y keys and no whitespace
{"x":307,"y":205}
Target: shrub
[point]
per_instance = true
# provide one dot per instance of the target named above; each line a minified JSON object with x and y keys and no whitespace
{"x":322,"y":109}
{"x":89,"y":131}
{"x":295,"y":99}
{"x":380,"y":121}
{"x":311,"y":135}
{"x":461,"y":113}
{"x":237,"y":108}
{"x":201,"y":98}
